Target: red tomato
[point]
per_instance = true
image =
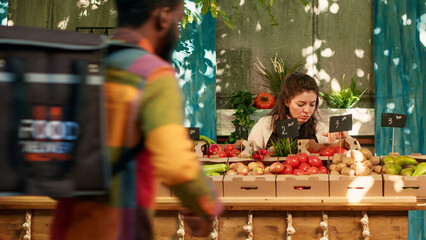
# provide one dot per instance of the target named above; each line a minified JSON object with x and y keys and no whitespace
{"x":276,"y":167}
{"x":298,"y":172}
{"x":303,"y":157}
{"x":287,"y":169}
{"x":340,"y":149}
{"x":303,"y":166}
{"x":234,"y":153}
{"x":313,"y":150}
{"x":256,"y":156}
{"x":214,"y":149}
{"x":264,"y":151}
{"x":314,"y":161}
{"x":328,"y":152}
{"x":292,"y":161}
{"x":312,"y":171}
{"x":230,"y":147}
{"x":264,"y":101}
{"x":262,"y":157}
{"x":323,"y":170}
{"x":222,"y":154}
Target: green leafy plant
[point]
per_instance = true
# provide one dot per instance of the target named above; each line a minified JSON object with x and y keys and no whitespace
{"x":211,"y":6}
{"x":243,"y":103}
{"x":282,"y":148}
{"x":274,"y":76}
{"x":345,"y":98}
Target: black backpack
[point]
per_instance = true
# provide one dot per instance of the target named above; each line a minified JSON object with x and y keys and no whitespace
{"x":52,"y":119}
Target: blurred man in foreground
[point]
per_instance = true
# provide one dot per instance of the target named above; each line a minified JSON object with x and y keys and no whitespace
{"x":144,"y":106}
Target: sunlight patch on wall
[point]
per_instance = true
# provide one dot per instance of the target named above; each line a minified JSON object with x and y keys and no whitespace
{"x":405,"y":21}
{"x":386,"y":52}
{"x":396,"y":61}
{"x":258,"y":27}
{"x":390,"y":107}
{"x":64,"y":23}
{"x":323,"y":75}
{"x":359,"y":53}
{"x":334,"y":8}
{"x":328,"y":52}
{"x":360,"y":73}
{"x":335,"y":85}
{"x":242,"y":2}
{"x":421,"y":27}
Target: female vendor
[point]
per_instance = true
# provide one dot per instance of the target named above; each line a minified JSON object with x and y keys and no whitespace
{"x":298,"y":99}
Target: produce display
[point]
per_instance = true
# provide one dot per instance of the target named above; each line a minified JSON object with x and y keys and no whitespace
{"x":402,"y":165}
{"x":355,"y":163}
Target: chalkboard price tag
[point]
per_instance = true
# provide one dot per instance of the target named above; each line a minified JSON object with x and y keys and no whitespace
{"x":241,"y":132}
{"x":393,"y":120}
{"x":287,"y":128}
{"x":341,"y":123}
{"x":194,"y":133}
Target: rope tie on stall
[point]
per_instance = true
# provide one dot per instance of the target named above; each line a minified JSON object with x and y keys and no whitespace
{"x":27,"y":225}
{"x":365,"y":227}
{"x":181,"y":231}
{"x":324,"y":226}
{"x":290,"y":229}
{"x":215,"y":233}
{"x":249,"y":226}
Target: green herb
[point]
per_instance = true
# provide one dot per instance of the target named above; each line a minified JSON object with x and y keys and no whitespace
{"x":274,"y":76}
{"x":345,"y":98}
{"x":243,"y":102}
{"x":282,"y":148}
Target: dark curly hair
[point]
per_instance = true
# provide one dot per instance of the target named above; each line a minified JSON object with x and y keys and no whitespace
{"x":133,"y":13}
{"x":295,"y":84}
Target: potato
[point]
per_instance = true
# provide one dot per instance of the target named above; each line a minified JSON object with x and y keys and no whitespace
{"x":367,"y":153}
{"x":375,"y":160}
{"x":348,"y":172}
{"x":357,"y":155}
{"x":367,"y":163}
{"x":348,"y":161}
{"x":363,"y":171}
{"x":353,"y":166}
{"x":337,"y":158}
{"x":334,"y":172}
{"x":377,"y":169}
{"x":332,"y":167}
{"x":340,"y":166}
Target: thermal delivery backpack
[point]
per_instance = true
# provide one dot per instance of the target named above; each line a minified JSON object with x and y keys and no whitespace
{"x":52,"y":118}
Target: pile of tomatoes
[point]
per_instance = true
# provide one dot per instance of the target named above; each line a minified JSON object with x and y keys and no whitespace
{"x":328,"y":151}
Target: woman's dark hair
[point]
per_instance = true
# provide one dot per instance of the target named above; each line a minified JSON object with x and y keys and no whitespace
{"x":133,"y":13}
{"x":295,"y":84}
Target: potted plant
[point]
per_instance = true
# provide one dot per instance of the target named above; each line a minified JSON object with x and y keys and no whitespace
{"x":342,"y":102}
{"x":274,"y":76}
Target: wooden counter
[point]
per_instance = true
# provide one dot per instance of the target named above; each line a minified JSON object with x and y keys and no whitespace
{"x":388,"y":217}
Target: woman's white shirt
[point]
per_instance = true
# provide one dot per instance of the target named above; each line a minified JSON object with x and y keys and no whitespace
{"x":261,"y":132}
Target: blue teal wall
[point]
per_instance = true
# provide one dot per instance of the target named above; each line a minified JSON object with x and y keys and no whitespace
{"x":400,"y":81}
{"x":195,"y":61}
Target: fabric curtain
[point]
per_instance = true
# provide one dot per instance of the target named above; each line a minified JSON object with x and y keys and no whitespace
{"x":400,"y":65}
{"x":3,"y":12}
{"x":195,"y":61}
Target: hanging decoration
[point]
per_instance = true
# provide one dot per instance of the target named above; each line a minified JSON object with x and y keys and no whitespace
{"x":27,"y":225}
{"x":290,"y":229}
{"x":181,"y":231}
{"x":365,"y":227}
{"x":249,"y":226}
{"x":324,"y":226}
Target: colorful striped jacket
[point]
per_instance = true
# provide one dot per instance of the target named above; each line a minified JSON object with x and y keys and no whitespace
{"x":143,"y":102}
